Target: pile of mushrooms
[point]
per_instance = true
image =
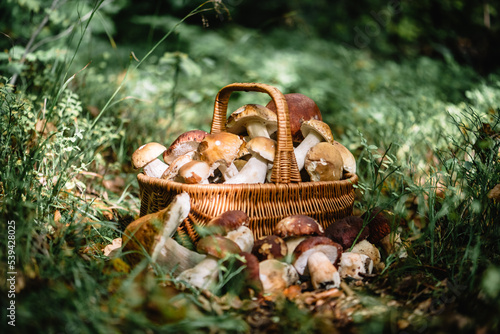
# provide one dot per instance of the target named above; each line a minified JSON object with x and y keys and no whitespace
{"x":244,"y":153}
{"x":299,"y":251}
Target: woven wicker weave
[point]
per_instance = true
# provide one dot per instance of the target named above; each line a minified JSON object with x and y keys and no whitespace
{"x":265,"y":204}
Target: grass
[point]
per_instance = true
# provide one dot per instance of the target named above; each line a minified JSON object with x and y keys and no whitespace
{"x":417,"y":128}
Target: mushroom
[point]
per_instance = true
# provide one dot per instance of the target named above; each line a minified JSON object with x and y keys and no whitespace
{"x":205,"y":274}
{"x":270,"y":247}
{"x":380,"y":232}
{"x":185,"y":143}
{"x":312,"y":245}
{"x":172,"y":171}
{"x":255,"y":170}
{"x":146,"y":157}
{"x":258,"y":121}
{"x":219,"y":150}
{"x":344,"y":231}
{"x":232,"y":225}
{"x":314,"y":132}
{"x":153,"y":233}
{"x":347,"y":157}
{"x":300,"y":108}
{"x":276,"y":276}
{"x":296,"y":228}
{"x":355,"y":265}
{"x":246,"y":276}
{"x":367,"y":248}
{"x":324,"y":275}
{"x":194,"y":172}
{"x":324,"y":163}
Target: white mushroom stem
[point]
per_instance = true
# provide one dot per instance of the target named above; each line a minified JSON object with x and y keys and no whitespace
{"x":254,"y":171}
{"x":291,"y":244}
{"x":300,"y":151}
{"x":256,"y":129}
{"x":203,"y":275}
{"x":155,"y":168}
{"x":243,"y":237}
{"x":276,"y":275}
{"x":324,"y":275}
{"x":228,"y":171}
{"x":354,"y":265}
{"x":367,"y":248}
{"x":177,"y":258}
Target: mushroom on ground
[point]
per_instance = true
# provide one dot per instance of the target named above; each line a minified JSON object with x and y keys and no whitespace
{"x":324,"y":275}
{"x":233,"y":225}
{"x":205,"y":274}
{"x":324,"y":163}
{"x":146,"y":157}
{"x":314,"y":132}
{"x":300,"y":108}
{"x":380,"y":232}
{"x":312,"y":245}
{"x":195,"y":172}
{"x":355,"y":265}
{"x":347,"y":157}
{"x":276,"y":276}
{"x":185,"y":143}
{"x":270,"y":247}
{"x":246,"y":278}
{"x":153,"y":234}
{"x":219,"y":150}
{"x":367,"y":248}
{"x":296,"y":228}
{"x":344,"y":231}
{"x":258,"y":121}
{"x":255,"y":170}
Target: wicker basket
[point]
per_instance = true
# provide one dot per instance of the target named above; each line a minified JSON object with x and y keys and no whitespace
{"x":265,"y":204}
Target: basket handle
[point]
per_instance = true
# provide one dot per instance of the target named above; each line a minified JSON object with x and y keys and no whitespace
{"x":285,"y":168}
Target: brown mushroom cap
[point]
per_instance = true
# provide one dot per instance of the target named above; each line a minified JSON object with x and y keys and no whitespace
{"x":319,"y":127}
{"x":220,"y":147}
{"x":228,"y":221}
{"x":347,"y":157}
{"x":269,"y":247}
{"x":324,"y":162}
{"x":298,"y":225}
{"x":217,"y":246}
{"x":379,"y":224}
{"x":237,"y":121}
{"x":185,"y":143}
{"x":147,"y":153}
{"x":312,"y":245}
{"x":300,"y":108}
{"x":262,"y":146}
{"x":344,"y":231}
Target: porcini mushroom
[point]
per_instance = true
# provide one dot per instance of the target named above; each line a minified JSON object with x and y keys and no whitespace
{"x":347,"y":157}
{"x":344,"y":231}
{"x":255,"y":170}
{"x":219,"y":150}
{"x":300,"y":108}
{"x":323,"y":273}
{"x":367,"y":248}
{"x":153,"y":233}
{"x":312,"y":245}
{"x":270,"y":247}
{"x":257,"y":120}
{"x":195,"y":172}
{"x":185,"y":143}
{"x":294,"y":229}
{"x":146,"y":157}
{"x":205,"y":274}
{"x":314,"y":132}
{"x":355,"y":265}
{"x":173,"y":170}
{"x":233,"y":225}
{"x":276,"y":276}
{"x":324,"y":163}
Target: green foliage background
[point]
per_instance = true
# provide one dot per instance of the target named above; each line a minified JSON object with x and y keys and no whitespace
{"x":407,"y":86}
